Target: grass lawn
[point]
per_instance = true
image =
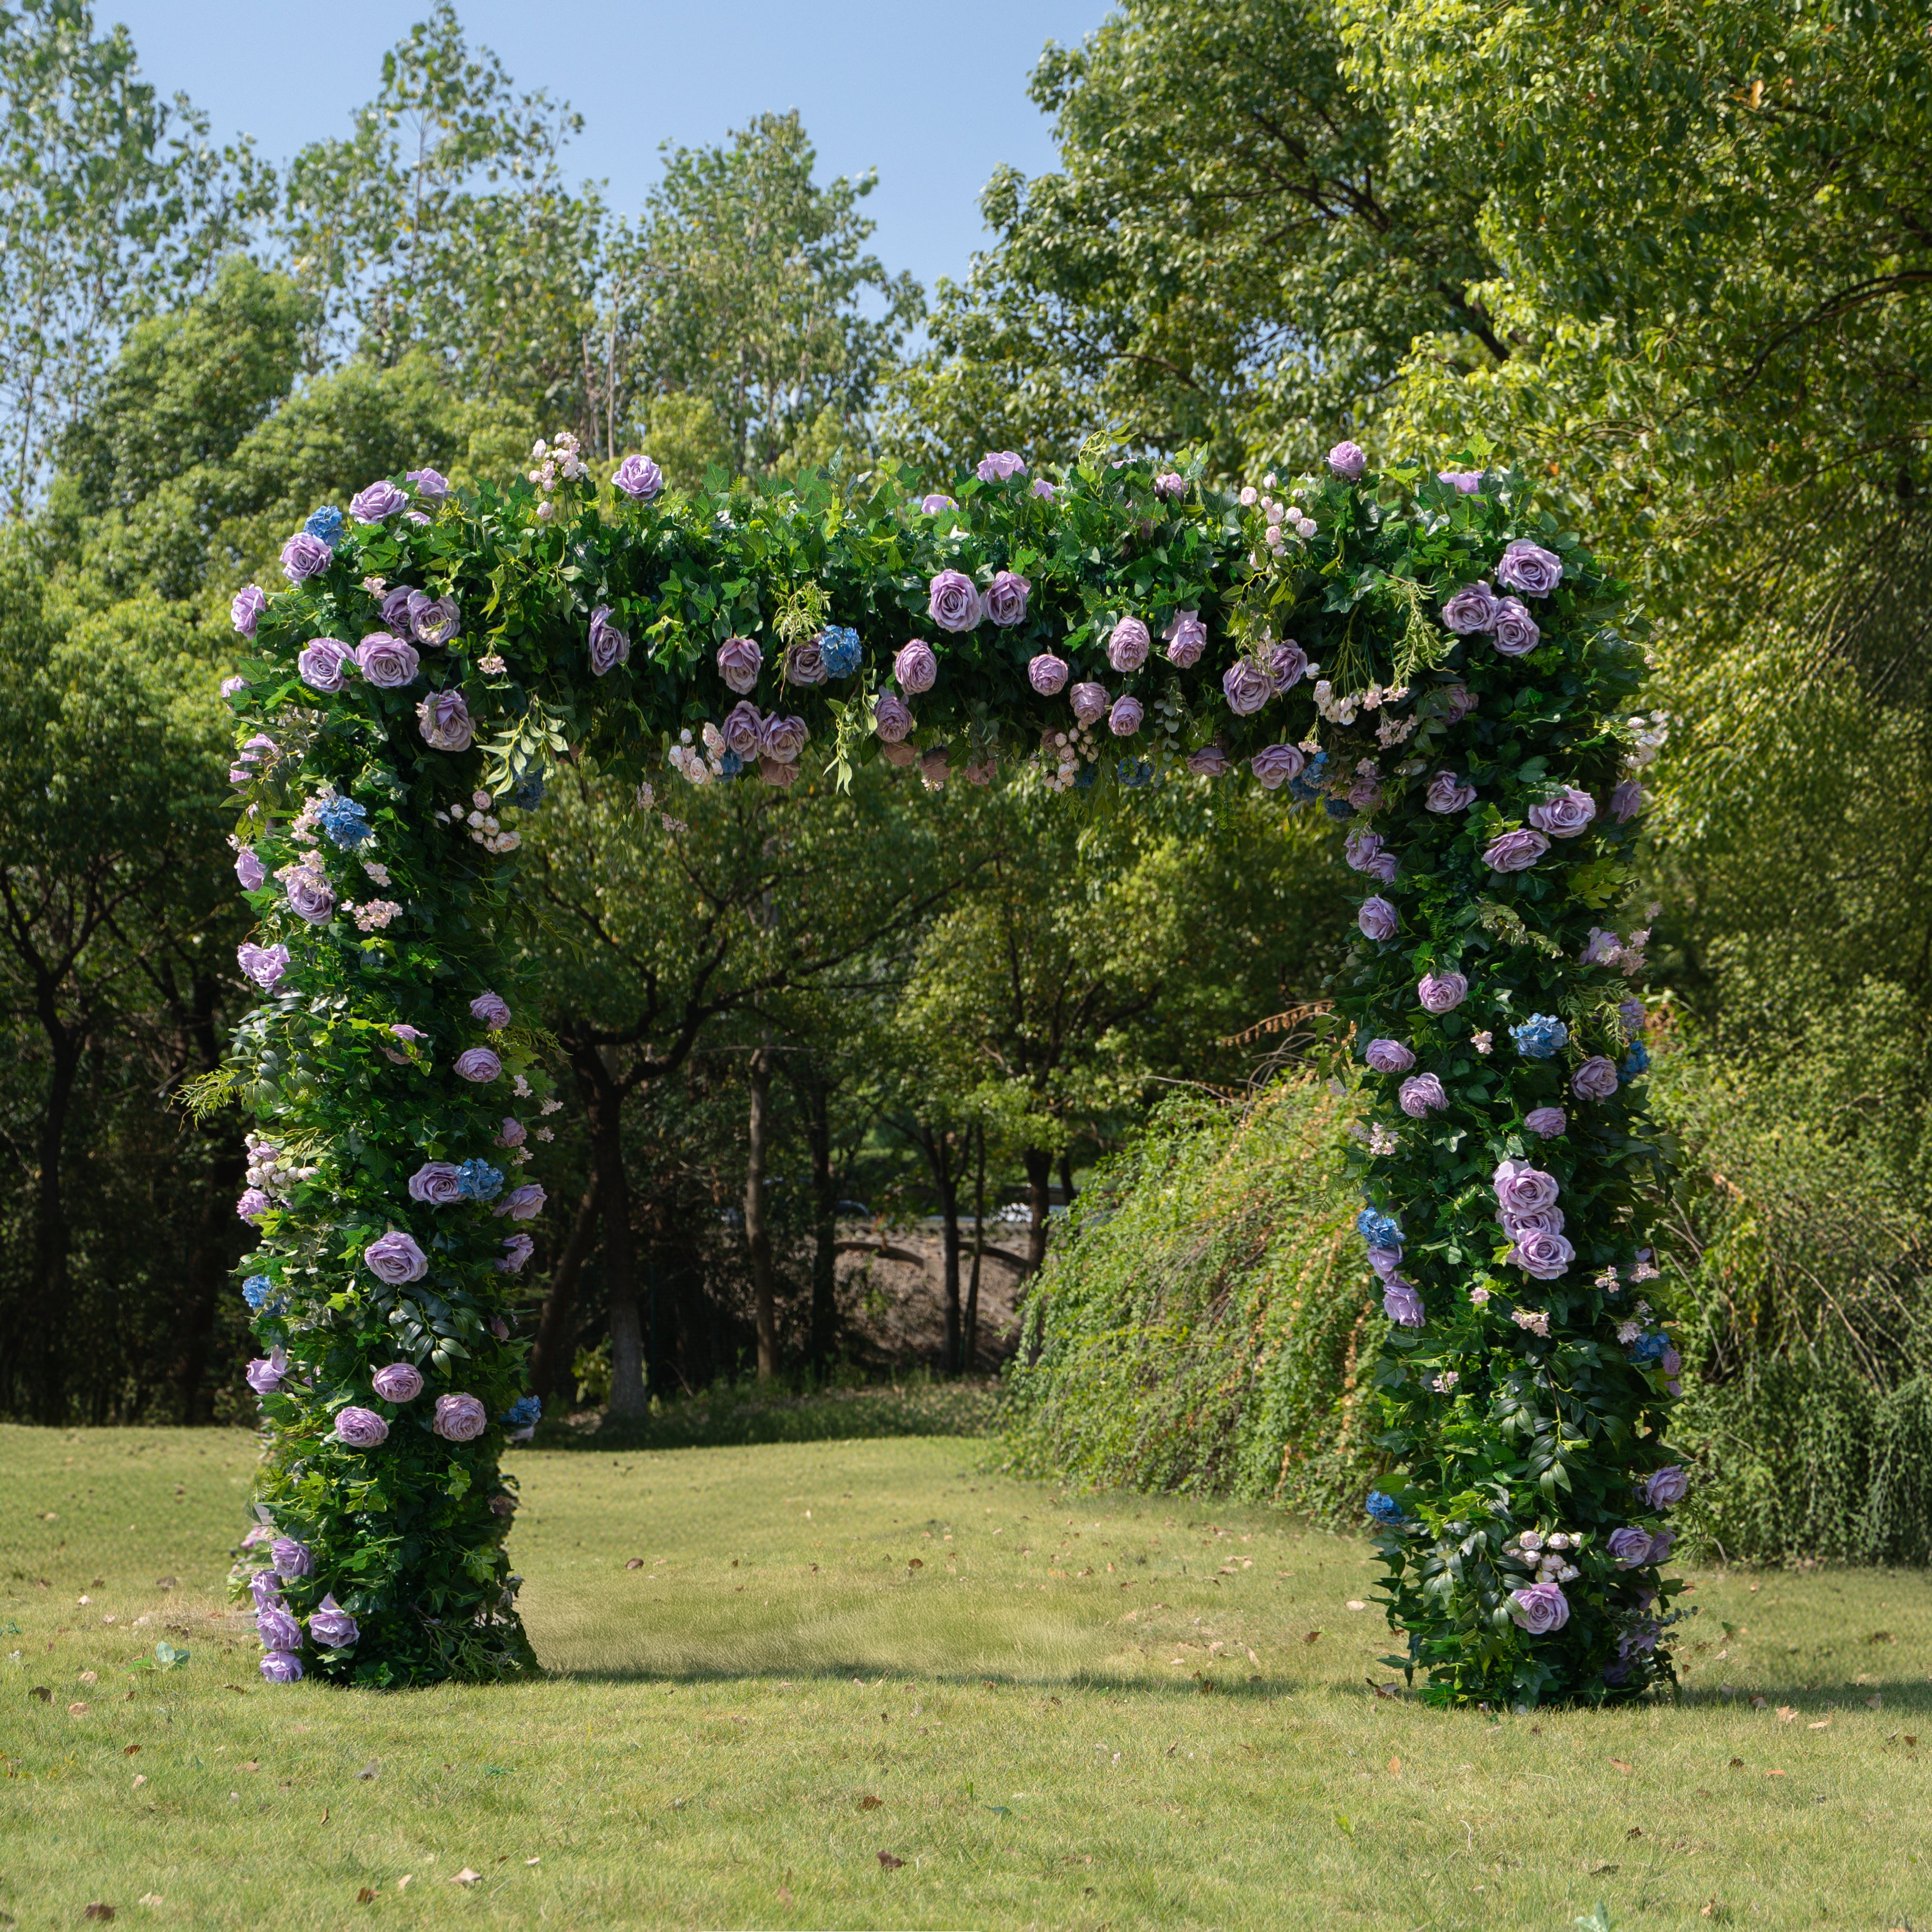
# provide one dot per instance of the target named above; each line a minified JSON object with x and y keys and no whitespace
{"x":867,"y":1684}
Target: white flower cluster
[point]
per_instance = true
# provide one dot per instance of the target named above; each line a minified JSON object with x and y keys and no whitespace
{"x":1536,"y":1320}
{"x":561,"y":458}
{"x":1281,"y":518}
{"x":1066,"y":749}
{"x":1445,"y":1382}
{"x":698,"y":768}
{"x":1548,"y":1554}
{"x":376,"y":914}
{"x":379,"y":874}
{"x":484,"y":828}
{"x":268,"y":1171}
{"x":1648,"y":736}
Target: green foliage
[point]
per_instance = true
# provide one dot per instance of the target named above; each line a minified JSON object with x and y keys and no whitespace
{"x":1202,"y":1326}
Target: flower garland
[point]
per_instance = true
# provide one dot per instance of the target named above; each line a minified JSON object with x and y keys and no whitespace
{"x":407,"y":695}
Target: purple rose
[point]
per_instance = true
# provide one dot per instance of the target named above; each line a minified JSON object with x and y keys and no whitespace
{"x":1386,"y":1262}
{"x":436,"y":1183}
{"x":1543,"y":1221}
{"x":265,"y":1586}
{"x":277,"y":1629}
{"x":1546,"y":1122}
{"x":931,"y":506}
{"x":1275,"y":765}
{"x":1186,"y":638}
{"x":432,"y":486}
{"x":1515,"y":851}
{"x":739,"y":661}
{"x":309,"y":896}
{"x":264,"y":964}
{"x":1521,"y":1189}
{"x":1042,"y":489}
{"x":265,"y":1376}
{"x":387,"y":662}
{"x":1442,"y":992}
{"x":331,"y":1626}
{"x":1286,"y":663}
{"x":281,"y":1666}
{"x":1471,"y":608}
{"x":1128,"y":645}
{"x":805,"y":663}
{"x":1388,"y":1056}
{"x":1047,"y":674}
{"x":363,"y":1428}
{"x":291,"y":1559}
{"x":998,"y":465}
{"x":1467,"y":481}
{"x":492,"y":1010}
{"x":517,"y":1250}
{"x":1447,"y":793}
{"x":1402,"y":1304}
{"x":953,"y":601}
{"x":1514,"y":629}
{"x":1007,"y":598}
{"x":1171,"y":483}
{"x":395,"y":1258}
{"x":479,"y":1064}
{"x":1596,"y":1079}
{"x":380,"y":499}
{"x":1361,"y":848}
{"x":461,"y":1418}
{"x":398,"y":1382}
{"x":304,"y":557}
{"x":742,"y":724}
{"x":783,"y":738}
{"x":1422,"y":1096}
{"x":639,"y":478}
{"x":1666,"y":1487}
{"x":1541,"y":1255}
{"x":320,"y":663}
{"x":433,"y":620}
{"x":245,"y":613}
{"x":1210,"y":762}
{"x":1528,"y":567}
{"x":1126,"y":717}
{"x":514,"y":1133}
{"x":1540,"y":1609}
{"x":609,"y":645}
{"x":1630,"y":1546}
{"x":230,"y":685}
{"x":446,"y":722}
{"x":1246,"y":686}
{"x":1348,"y":460}
{"x":395,"y":609}
{"x":1566,"y":816}
{"x":914,"y":667}
{"x":776,"y":772}
{"x":1365,"y":795}
{"x":522,"y":1204}
{"x":1378,"y":920}
{"x":250,"y":870}
{"x":890,"y":718}
{"x":1089,"y":701}
{"x":1627,"y":801}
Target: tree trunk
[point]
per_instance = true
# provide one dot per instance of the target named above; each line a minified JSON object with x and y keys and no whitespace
{"x":1039,"y":1200}
{"x":758,"y":1236}
{"x":948,"y":1182}
{"x":209,"y":1262}
{"x":603,"y":1119}
{"x":553,"y":1325}
{"x":1067,"y":1178}
{"x":970,"y":1354}
{"x":52,"y":1240}
{"x":815,"y":1106}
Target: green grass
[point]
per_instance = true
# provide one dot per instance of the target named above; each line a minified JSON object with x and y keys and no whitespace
{"x":1040,"y":1739}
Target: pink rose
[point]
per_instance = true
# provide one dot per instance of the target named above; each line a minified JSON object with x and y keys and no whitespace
{"x":953,"y":602}
{"x":1128,"y":645}
{"x":479,"y":1064}
{"x":740,"y":660}
{"x":1186,"y":638}
{"x":915,"y":667}
{"x":1515,"y":851}
{"x":1442,"y":992}
{"x":1007,"y":599}
{"x":1047,"y":674}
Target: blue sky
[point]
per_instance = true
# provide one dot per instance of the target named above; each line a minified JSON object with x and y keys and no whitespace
{"x":934,"y":97}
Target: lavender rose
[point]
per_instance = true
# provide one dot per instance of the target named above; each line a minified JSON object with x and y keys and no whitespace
{"x":265,"y":1586}
{"x":1361,"y":848}
{"x":1348,"y":460}
{"x":805,"y":663}
{"x":1596,"y":1079}
{"x":1666,"y":1487}
{"x":432,"y":486}
{"x":742,"y":724}
{"x":1540,"y":1609}
{"x":1566,"y":816}
{"x":433,"y":620}
{"x":399,"y":1382}
{"x":1515,"y":851}
{"x":446,"y":722}
{"x":1421,"y":1095}
{"x":1186,"y":638}
{"x":1528,"y":567}
{"x":1471,"y":608}
{"x":998,"y":466}
{"x":395,"y":609}
{"x":1402,"y":1304}
{"x":331,"y":1626}
{"x":1541,"y":1255}
{"x":953,"y":601}
{"x":1543,"y":1221}
{"x":436,"y":1183}
{"x":304,"y":557}
{"x":1275,"y":765}
{"x":1467,"y":482}
{"x":1210,"y":762}
{"x":915,"y":667}
{"x":277,"y":1630}
{"x":1007,"y":599}
{"x":1247,"y":687}
{"x":739,"y":661}
{"x":890,"y":718}
{"x":319,"y":665}
{"x":264,"y":964}
{"x":387,"y":662}
{"x":1170,"y":483}
{"x":361,"y":1428}
{"x":1514,"y":629}
{"x":1521,"y":1189}
{"x":394,"y":1258}
{"x":1627,"y":801}
{"x":1286,"y":664}
{"x":461,"y":1418}
{"x":265,"y":1375}
{"x":1630,"y":1547}
{"x":517,"y":1250}
{"x":1126,"y":717}
{"x":522,"y":1204}
{"x":309,"y":896}
{"x":250,"y":870}
{"x":639,"y":478}
{"x":281,"y":1666}
{"x":1047,"y":674}
{"x":1089,"y":701}
{"x":379,"y":500}
{"x":1378,"y":920}
{"x":479,"y":1064}
{"x":782,"y":739}
{"x":1448,"y":793}
{"x":1043,"y":490}
{"x":933,"y":504}
{"x":1546,"y":1122}
{"x":609,"y":645}
{"x":1388,"y":1056}
{"x":1128,"y":645}
{"x":252,"y":1204}
{"x":1442,"y":992}
{"x":1386,"y":1262}
{"x":492,"y":1010}
{"x":244,"y":612}
{"x":291,"y":1559}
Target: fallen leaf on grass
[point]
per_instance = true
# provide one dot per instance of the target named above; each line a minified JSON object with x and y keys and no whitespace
{"x":1819,"y":1726}
{"x":1874,"y":1702}
{"x":41,"y":1691}
{"x":537,"y":1861}
{"x":140,"y":1779}
{"x":150,"y":1898}
{"x":785,"y":1898}
{"x":1759,"y":1702}
{"x":1635,"y":1831}
{"x":888,"y":1863}
{"x":1312,"y":1636}
{"x":98,"y":1910}
{"x":635,"y":1563}
{"x":869,"y":1803}
{"x":367,"y":1896}
{"x":90,"y":1677}
{"x":403,"y":1882}
{"x":76,"y":1710}
{"x":1356,"y":1603}
{"x":1774,"y":1774}
{"x":466,"y":1877}
{"x":128,"y":1750}
{"x":1618,"y":1764}
{"x":1598,"y":1871}
{"x":1785,"y":1713}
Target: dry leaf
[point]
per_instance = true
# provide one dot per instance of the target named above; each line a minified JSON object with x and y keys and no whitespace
{"x":889,"y":1863}
{"x":1785,"y":1713}
{"x":1737,"y":1764}
{"x":916,"y":1563}
{"x":869,"y":1803}
{"x":635,"y":1563}
{"x":75,"y":1710}
{"x":1635,"y":1831}
{"x":537,"y":1861}
{"x":41,"y":1691}
{"x":466,"y":1877}
{"x":1759,"y":1702}
{"x":1874,"y":1702}
{"x":785,"y":1898}
{"x":150,"y":1898}
{"x":1356,"y":1603}
{"x":90,"y":1677}
{"x":249,"y":1764}
{"x":97,"y":1910}
{"x":1618,"y":1764}
{"x":1774,"y":1774}
{"x":128,"y":1750}
{"x":367,"y":1896}
{"x":1311,"y":1636}
{"x":403,"y":1882}
{"x":1819,"y":1726}
{"x":1395,"y":1765}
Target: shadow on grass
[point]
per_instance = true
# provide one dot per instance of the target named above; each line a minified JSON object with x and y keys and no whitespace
{"x":859,"y":1670}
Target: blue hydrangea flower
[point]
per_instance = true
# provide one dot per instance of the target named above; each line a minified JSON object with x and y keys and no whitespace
{"x":1540,"y":1036}
{"x":1384,"y":1509}
{"x":478,"y":1180}
{"x":1638,"y":1061}
{"x":1085,"y":779}
{"x":1379,"y":1231}
{"x":1650,"y":1348}
{"x":1308,"y":785}
{"x":1134,"y":772}
{"x":840,"y":649}
{"x":529,"y":793}
{"x":325,"y":525}
{"x":1338,"y":807}
{"x":346,"y":823}
{"x":730,"y":764}
{"x":259,"y":1291}
{"x":524,"y":1411}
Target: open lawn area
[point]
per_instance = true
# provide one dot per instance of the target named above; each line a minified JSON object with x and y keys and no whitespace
{"x":855,"y":1684}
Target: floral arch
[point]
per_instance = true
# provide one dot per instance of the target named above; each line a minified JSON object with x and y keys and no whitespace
{"x":1423,"y":655}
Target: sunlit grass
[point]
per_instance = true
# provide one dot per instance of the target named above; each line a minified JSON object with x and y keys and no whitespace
{"x":1032,"y":1723}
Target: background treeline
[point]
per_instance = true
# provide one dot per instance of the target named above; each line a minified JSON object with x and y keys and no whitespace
{"x":1273,"y":222}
